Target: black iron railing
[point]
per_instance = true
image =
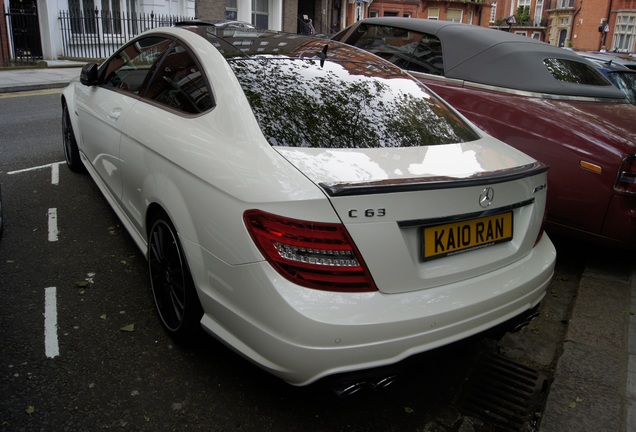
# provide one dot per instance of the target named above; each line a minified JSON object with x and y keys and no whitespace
{"x":87,"y":34}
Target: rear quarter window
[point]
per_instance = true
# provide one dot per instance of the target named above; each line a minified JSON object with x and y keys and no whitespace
{"x":574,"y":72}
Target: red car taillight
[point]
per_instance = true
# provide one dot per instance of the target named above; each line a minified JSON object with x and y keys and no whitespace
{"x":311,"y":254}
{"x":626,"y":181}
{"x":542,"y":228}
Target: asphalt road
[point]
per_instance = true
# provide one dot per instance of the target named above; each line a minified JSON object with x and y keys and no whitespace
{"x":82,"y":348}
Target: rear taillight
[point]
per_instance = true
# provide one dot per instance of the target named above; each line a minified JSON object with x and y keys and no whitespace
{"x":542,"y":228}
{"x":311,"y":254}
{"x":626,"y":180}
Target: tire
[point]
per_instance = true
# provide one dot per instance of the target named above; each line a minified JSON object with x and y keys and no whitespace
{"x":71,"y":151}
{"x":172,"y":287}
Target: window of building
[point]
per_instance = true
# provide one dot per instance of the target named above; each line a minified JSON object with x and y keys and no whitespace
{"x":565,"y":4}
{"x":111,"y":14}
{"x":231,"y":10}
{"x":493,"y":12}
{"x":471,"y":16}
{"x":260,"y":13}
{"x":82,"y":14}
{"x":538,"y":12}
{"x":433,"y":13}
{"x":373,"y":14}
{"x":454,"y":15}
{"x":625,"y":32}
{"x":536,"y":35}
{"x":521,"y":33}
{"x":407,"y":15}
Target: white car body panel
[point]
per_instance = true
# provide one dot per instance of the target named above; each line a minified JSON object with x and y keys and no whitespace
{"x":206,"y":170}
{"x":103,"y":112}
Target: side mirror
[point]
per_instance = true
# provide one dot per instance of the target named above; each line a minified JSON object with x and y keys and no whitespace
{"x":88,"y":76}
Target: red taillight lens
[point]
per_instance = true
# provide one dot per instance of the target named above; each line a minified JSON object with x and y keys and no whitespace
{"x":311,"y":254}
{"x":626,"y":180}
{"x":542,"y":228}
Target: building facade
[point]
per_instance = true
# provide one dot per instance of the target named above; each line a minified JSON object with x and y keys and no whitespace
{"x":582,"y":25}
{"x":43,"y":29}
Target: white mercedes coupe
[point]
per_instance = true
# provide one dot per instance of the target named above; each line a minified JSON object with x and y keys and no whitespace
{"x":309,"y":204}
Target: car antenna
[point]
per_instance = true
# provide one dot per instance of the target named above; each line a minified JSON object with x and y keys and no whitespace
{"x":322,"y":55}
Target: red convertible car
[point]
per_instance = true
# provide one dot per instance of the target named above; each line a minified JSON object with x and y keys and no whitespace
{"x":546,"y":101}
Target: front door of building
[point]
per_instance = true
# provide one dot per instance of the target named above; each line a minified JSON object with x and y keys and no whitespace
{"x":25,"y":31}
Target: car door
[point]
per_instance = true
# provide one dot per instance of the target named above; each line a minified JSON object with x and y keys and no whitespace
{"x":168,"y":114}
{"x":102,"y":109}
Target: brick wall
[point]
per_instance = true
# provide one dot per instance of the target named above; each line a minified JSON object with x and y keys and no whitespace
{"x":585,"y":34}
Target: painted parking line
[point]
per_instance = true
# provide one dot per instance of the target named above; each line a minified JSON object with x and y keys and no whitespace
{"x":53,"y":231}
{"x":51,"y":346}
{"x":55,"y":171}
{"x":10,"y":95}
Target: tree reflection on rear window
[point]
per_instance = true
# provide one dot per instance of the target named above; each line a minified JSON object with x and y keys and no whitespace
{"x":301,"y":103}
{"x":574,"y":72}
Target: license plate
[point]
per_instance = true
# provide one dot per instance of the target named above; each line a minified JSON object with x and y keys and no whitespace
{"x":457,"y":237}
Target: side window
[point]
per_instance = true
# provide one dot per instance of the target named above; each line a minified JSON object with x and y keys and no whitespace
{"x":406,"y":49}
{"x":179,"y":83}
{"x":574,"y":72}
{"x":128,"y":69}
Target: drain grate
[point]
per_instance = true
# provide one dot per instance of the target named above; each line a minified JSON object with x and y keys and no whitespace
{"x":503,"y":393}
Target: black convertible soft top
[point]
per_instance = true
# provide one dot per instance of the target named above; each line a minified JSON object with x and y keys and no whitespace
{"x":498,"y":58}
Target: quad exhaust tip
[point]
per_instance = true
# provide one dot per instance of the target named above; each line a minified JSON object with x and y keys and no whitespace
{"x":350,"y":388}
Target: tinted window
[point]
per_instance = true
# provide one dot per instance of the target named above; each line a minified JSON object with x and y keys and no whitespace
{"x":300,"y":103}
{"x":574,"y":72}
{"x":128,"y":68}
{"x":179,"y":83}
{"x":406,"y":49}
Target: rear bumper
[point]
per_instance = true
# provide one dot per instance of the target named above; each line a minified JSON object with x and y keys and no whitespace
{"x":302,"y":335}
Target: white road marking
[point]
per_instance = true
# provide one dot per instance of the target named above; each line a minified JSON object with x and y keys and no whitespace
{"x":55,"y":170}
{"x":53,"y":224}
{"x":51,"y":347}
{"x":55,"y":174}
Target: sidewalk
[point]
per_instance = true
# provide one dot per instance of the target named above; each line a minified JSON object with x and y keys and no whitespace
{"x":53,"y":74}
{"x":594,"y":385}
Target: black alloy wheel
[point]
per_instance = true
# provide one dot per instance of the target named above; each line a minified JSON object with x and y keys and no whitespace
{"x":71,"y":151}
{"x":171,"y":282}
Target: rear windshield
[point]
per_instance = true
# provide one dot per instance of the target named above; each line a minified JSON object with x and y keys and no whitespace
{"x":300,"y":102}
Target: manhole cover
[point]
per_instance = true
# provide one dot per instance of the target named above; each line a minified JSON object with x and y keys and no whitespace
{"x":506,"y":395}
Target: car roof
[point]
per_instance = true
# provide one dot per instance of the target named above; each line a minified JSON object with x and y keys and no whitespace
{"x":234,"y":43}
{"x":616,"y":58}
{"x":608,"y":65}
{"x":498,"y":58}
{"x":220,"y":23}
